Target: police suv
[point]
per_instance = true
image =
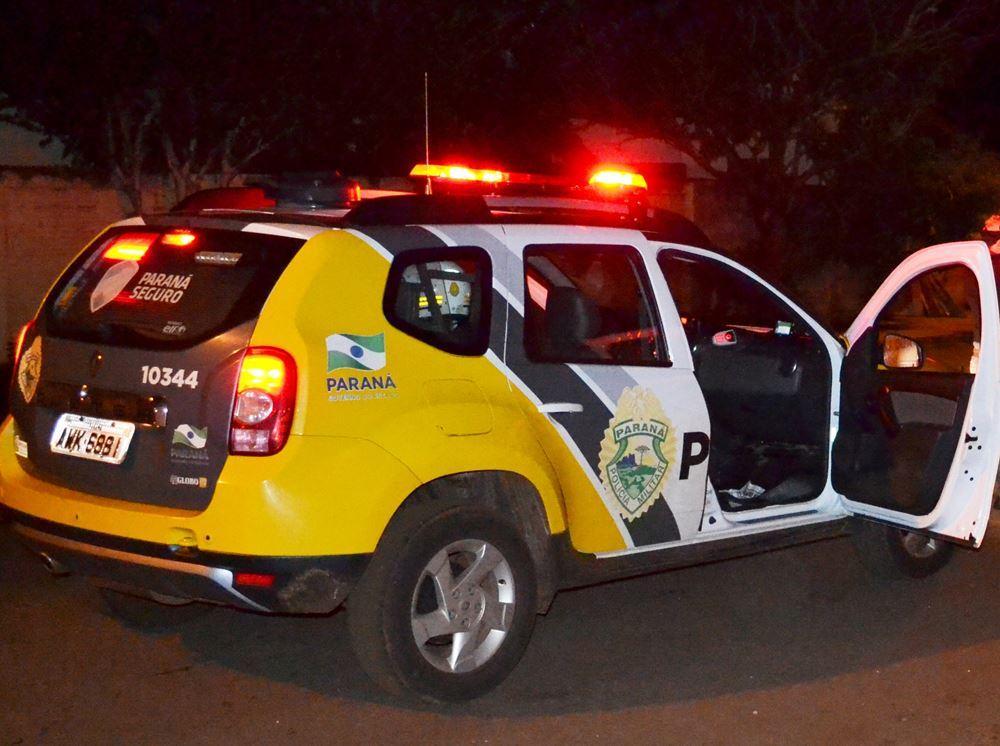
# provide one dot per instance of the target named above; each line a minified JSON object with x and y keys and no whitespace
{"x":445,"y":408}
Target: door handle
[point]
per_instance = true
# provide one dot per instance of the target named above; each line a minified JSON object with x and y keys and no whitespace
{"x":560,"y":407}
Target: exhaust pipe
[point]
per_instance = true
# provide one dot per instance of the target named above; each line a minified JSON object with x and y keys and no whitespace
{"x":54,"y":566}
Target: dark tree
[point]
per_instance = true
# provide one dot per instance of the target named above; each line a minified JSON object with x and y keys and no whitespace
{"x":822,"y":119}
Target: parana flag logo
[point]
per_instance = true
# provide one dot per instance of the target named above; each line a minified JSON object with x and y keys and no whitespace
{"x":192,"y":437}
{"x":355,"y":351}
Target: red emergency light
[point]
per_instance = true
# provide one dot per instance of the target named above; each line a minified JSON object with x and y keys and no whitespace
{"x":130,"y":246}
{"x":458,"y":172}
{"x":609,"y":177}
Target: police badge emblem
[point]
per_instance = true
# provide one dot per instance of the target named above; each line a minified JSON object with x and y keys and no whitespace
{"x":29,"y":369}
{"x":634,"y":452}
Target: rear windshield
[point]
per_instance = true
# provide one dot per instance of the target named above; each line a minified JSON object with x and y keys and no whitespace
{"x":166,"y":288}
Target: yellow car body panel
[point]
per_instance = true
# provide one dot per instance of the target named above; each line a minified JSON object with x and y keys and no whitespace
{"x":445,"y":414}
{"x":280,"y":506}
{"x":353,"y":456}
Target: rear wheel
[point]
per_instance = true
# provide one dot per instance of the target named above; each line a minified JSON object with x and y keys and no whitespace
{"x":447,"y":605}
{"x":890,"y":552}
{"x":146,"y":614}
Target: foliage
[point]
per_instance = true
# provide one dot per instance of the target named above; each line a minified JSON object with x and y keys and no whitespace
{"x":821,"y":118}
{"x":840,"y":128}
{"x":132,"y":87}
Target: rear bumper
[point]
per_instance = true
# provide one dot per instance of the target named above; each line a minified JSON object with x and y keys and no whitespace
{"x":301,"y":585}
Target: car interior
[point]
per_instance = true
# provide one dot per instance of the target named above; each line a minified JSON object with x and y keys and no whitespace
{"x":905,"y":391}
{"x":589,"y":304}
{"x":765,"y":375}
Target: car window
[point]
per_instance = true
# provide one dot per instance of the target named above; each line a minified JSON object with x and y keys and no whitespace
{"x":711,"y":296}
{"x":589,"y":304}
{"x":166,"y":288}
{"x":940,"y":311}
{"x":442,"y":297}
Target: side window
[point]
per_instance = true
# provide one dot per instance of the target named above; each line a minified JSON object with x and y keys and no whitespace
{"x":442,"y":297}
{"x":589,"y":304}
{"x":711,"y":297}
{"x":939,"y":310}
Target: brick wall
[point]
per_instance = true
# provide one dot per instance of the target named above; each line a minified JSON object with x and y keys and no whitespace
{"x":44,"y":221}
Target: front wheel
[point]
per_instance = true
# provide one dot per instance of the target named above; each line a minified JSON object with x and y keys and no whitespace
{"x":447,"y":605}
{"x":890,"y":552}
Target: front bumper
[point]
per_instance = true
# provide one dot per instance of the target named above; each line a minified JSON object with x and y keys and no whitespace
{"x":301,"y":585}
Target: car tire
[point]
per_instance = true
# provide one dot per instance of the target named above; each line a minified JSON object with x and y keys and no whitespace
{"x":440,"y":573}
{"x":147,"y":615}
{"x":892,"y":553}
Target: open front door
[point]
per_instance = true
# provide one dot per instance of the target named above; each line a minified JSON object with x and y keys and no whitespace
{"x":918,"y":444}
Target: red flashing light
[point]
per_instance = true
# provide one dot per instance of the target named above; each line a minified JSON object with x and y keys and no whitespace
{"x":264,"y":404}
{"x":617,"y":178}
{"x":179,"y":238}
{"x":458,"y":172}
{"x":254,"y":579}
{"x":130,"y":246}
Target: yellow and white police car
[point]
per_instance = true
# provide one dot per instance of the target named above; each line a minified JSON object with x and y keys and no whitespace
{"x":445,"y":408}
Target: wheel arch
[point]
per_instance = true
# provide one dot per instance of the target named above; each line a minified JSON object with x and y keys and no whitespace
{"x":512,"y":497}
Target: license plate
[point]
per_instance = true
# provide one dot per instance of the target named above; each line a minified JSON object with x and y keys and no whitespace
{"x":92,"y":438}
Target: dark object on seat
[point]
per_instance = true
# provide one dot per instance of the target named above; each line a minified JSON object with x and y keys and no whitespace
{"x":570,"y":320}
{"x":794,"y":489}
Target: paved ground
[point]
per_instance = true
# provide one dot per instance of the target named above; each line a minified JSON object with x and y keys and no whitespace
{"x":796,"y":645}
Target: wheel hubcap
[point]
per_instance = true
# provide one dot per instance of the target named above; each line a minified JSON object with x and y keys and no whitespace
{"x":919,"y":545}
{"x":463,"y":606}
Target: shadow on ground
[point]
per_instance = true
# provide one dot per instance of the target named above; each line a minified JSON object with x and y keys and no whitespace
{"x":795,"y":615}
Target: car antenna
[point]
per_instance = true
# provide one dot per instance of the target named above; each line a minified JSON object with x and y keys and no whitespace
{"x":427,"y":133}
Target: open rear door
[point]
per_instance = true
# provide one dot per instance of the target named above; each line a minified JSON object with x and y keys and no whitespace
{"x":918,"y":445}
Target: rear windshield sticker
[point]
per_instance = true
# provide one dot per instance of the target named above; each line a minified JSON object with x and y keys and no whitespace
{"x":158,"y":287}
{"x":174,"y":328}
{"x":112,"y":283}
{"x":29,"y":369}
{"x":154,"y":375}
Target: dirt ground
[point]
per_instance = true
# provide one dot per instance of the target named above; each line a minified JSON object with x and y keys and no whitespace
{"x":791,"y":646}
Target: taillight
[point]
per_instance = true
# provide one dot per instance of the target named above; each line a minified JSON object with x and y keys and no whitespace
{"x":19,"y":344}
{"x":264,"y":403}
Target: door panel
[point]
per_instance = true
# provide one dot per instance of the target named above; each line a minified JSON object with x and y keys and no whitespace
{"x":591,"y":336}
{"x":915,"y":445}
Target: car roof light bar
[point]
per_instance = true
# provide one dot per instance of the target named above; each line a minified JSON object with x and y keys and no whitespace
{"x":608,"y":177}
{"x":555,"y":203}
{"x":458,"y":172}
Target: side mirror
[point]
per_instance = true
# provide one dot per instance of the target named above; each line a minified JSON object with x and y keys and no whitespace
{"x":901,"y":352}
